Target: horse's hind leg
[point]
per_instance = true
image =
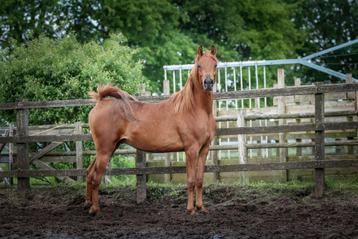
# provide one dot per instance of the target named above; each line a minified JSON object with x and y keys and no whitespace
{"x":90,"y":171}
{"x":98,"y":171}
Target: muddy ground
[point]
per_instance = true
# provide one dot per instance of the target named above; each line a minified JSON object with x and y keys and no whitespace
{"x":234,"y":212}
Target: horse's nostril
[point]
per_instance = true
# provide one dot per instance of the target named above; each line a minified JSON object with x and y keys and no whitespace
{"x":208,"y":81}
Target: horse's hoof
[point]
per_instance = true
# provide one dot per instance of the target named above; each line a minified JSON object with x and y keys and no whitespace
{"x":93,"y":211}
{"x":87,"y":204}
{"x":190,"y":211}
{"x":202,"y":209}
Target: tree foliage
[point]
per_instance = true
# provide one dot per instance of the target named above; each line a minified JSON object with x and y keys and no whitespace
{"x":46,"y":69}
{"x":169,"y":31}
{"x":251,"y":29}
{"x":327,"y":24}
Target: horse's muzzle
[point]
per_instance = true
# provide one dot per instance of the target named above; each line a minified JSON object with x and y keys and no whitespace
{"x":208,"y":84}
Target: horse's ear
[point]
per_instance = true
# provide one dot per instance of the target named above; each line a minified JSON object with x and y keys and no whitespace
{"x":200,"y":51}
{"x":213,"y":50}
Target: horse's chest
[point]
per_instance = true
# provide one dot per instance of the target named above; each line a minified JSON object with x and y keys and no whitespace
{"x":205,"y":129}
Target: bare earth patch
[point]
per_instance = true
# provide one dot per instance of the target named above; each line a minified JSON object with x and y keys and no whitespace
{"x":234,"y":212}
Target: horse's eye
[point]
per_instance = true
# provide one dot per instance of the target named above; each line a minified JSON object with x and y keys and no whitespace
{"x":199,"y":66}
{"x":216,"y":65}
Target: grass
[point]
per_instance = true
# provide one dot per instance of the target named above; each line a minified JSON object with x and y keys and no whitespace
{"x":155,"y":189}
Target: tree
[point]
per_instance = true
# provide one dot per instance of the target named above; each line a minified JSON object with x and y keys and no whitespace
{"x":329,"y":23}
{"x":166,"y":31}
{"x":251,"y":29}
{"x":143,"y":22}
{"x":46,"y":69}
{"x":22,"y":21}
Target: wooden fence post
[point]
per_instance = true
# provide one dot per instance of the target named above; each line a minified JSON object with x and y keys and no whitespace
{"x":141,"y":178}
{"x":351,"y":95}
{"x":167,"y":160}
{"x":319,"y":143}
{"x":242,"y":145}
{"x":356,"y":107}
{"x":282,"y":110}
{"x":22,"y":158}
{"x":168,"y":163}
{"x":214,"y":154}
{"x":11,"y":152}
{"x":79,"y":150}
{"x":298,"y":121}
{"x":215,"y":158}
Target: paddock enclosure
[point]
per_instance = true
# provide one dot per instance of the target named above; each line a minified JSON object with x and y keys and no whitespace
{"x":270,"y":127}
{"x":318,"y":129}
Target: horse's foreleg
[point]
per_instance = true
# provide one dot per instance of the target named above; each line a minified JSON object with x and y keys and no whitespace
{"x":99,"y":169}
{"x":191,"y":158}
{"x":200,"y":177}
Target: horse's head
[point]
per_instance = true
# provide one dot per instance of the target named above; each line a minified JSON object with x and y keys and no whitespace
{"x":206,"y":64}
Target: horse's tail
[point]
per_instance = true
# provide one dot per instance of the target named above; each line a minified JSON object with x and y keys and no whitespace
{"x":108,"y":90}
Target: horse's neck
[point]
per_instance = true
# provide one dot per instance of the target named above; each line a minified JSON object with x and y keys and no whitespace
{"x":202,"y":99}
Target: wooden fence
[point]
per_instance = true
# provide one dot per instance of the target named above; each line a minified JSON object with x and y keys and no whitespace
{"x":319,"y":127}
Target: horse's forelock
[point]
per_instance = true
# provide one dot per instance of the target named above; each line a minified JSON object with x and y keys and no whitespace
{"x":207,"y":54}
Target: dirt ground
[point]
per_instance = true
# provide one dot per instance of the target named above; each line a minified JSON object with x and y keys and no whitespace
{"x":234,"y":212}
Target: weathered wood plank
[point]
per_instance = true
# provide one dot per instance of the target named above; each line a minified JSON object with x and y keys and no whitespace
{"x":58,"y":159}
{"x":46,"y":166}
{"x":265,"y":129}
{"x":79,"y":149}
{"x":44,"y":151}
{"x":220,"y":132}
{"x":339,"y":125}
{"x":22,"y":162}
{"x":242,"y":146}
{"x":46,"y":104}
{"x":293,"y":116}
{"x":209,"y":169}
{"x":2,"y":145}
{"x":46,"y":138}
{"x":141,"y":177}
{"x":288,"y":91}
{"x":281,"y":108}
{"x":11,"y":152}
{"x":319,"y":144}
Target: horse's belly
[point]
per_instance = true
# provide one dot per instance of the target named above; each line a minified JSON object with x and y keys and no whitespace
{"x":155,"y":139}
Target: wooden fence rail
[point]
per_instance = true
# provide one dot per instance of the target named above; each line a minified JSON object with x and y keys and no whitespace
{"x":319,"y":127}
{"x":139,"y":171}
{"x":293,"y":90}
{"x":219,"y":132}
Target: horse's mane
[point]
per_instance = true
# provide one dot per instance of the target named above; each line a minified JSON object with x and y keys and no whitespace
{"x":184,"y":99}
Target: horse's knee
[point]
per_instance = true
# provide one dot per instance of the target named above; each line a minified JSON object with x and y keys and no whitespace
{"x":96,"y":181}
{"x":89,"y":177}
{"x":191,"y":184}
{"x":199,"y":184}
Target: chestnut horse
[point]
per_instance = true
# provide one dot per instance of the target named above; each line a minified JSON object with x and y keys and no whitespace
{"x":184,"y":122}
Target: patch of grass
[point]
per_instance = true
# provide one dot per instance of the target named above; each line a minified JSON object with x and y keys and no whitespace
{"x":281,"y":186}
{"x":120,"y":161}
{"x":344,"y":184}
{"x":158,"y":190}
